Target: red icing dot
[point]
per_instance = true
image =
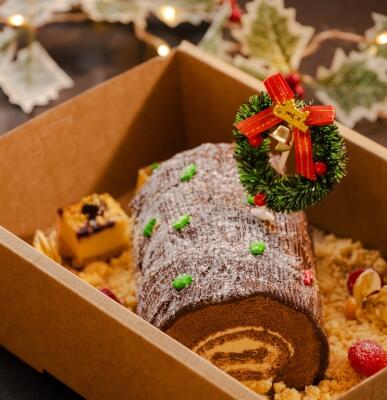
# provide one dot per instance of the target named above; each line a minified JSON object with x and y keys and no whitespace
{"x":260,"y":199}
{"x":308,"y":278}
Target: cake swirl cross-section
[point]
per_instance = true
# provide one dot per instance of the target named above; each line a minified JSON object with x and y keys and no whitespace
{"x":238,"y":291}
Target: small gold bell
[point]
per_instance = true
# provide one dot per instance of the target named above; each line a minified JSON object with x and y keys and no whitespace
{"x":283,"y":136}
{"x":281,"y":147}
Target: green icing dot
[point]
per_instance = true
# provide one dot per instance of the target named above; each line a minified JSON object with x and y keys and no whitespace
{"x":257,"y":248}
{"x":149,"y":227}
{"x":182,"y":281}
{"x":181,"y":222}
{"x":154,"y":166}
{"x":188,"y":173}
{"x":250,"y":200}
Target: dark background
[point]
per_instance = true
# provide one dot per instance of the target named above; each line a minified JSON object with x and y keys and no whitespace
{"x":93,"y":52}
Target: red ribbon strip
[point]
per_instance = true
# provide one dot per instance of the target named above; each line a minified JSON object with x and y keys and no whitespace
{"x":279,"y":91}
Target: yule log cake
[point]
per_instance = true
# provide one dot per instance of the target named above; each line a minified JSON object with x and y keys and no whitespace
{"x":229,"y":286}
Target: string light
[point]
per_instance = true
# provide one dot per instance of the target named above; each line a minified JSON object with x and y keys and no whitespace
{"x":16,"y":20}
{"x":382,"y":38}
{"x":163,"y":50}
{"x":168,"y":13}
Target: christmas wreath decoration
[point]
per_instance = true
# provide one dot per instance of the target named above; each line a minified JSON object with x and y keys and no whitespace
{"x":320,"y":154}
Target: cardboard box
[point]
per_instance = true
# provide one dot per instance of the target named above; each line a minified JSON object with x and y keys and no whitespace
{"x":96,"y":142}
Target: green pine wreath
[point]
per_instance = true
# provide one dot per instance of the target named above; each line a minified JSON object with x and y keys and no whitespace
{"x":286,"y":193}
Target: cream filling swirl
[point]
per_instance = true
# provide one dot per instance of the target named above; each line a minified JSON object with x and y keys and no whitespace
{"x":249,"y":352}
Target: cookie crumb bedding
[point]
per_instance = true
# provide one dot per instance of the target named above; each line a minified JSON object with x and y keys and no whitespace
{"x":116,"y":274}
{"x":335,"y":259}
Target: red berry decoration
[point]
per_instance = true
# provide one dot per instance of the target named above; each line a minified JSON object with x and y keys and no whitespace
{"x":260,"y":199}
{"x":352,"y":276}
{"x":299,"y":91}
{"x":367,"y":357}
{"x":110,"y":294}
{"x":308,"y":278}
{"x":236,"y":13}
{"x":320,"y":168}
{"x":293,"y":79}
{"x":255,"y":141}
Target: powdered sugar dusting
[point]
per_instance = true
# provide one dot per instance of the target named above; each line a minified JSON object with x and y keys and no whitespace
{"x":214,"y":247}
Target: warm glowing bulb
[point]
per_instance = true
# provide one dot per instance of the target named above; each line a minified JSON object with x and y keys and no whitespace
{"x":163,"y":50}
{"x":168,"y":13}
{"x":16,"y":20}
{"x":382,"y":38}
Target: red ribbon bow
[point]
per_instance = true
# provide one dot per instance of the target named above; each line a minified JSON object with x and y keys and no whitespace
{"x":284,"y":109}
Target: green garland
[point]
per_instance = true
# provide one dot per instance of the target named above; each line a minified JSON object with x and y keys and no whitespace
{"x":286,"y":193}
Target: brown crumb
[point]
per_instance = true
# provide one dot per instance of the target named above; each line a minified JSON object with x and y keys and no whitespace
{"x":261,"y":387}
{"x":279,"y":387}
{"x":288,"y":394}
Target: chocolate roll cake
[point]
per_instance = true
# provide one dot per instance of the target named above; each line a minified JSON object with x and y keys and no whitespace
{"x":251,"y":313}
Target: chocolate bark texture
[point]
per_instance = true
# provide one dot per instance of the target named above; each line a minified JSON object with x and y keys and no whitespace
{"x":252,"y":316}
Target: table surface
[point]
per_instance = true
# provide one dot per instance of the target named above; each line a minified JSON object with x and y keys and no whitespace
{"x":93,"y":52}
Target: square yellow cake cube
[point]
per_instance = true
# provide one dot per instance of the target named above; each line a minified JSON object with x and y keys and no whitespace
{"x":94,"y":228}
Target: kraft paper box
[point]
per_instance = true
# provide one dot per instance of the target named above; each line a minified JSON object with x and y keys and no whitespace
{"x":95,"y":143}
